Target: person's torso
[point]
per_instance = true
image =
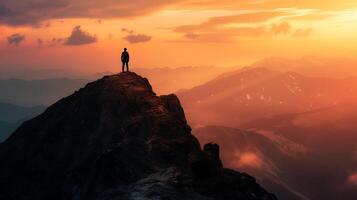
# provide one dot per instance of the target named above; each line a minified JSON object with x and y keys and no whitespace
{"x":125,"y":55}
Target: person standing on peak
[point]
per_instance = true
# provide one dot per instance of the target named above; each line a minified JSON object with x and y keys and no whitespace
{"x":125,"y":60}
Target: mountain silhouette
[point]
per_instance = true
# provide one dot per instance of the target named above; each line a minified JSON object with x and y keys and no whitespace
{"x":116,"y":139}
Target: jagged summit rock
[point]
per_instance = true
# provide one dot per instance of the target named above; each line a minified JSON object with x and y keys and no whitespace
{"x":115,"y":139}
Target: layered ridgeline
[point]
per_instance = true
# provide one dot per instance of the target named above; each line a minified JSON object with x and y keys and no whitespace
{"x":115,"y":139}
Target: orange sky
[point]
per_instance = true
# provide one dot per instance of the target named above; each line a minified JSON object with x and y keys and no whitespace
{"x":172,"y":33}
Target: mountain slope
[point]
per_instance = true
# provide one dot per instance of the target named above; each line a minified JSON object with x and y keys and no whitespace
{"x":330,"y":134}
{"x":259,"y":92}
{"x":293,"y":159}
{"x":115,"y":139}
{"x":267,"y":156}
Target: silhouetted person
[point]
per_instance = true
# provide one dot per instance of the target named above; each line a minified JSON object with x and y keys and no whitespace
{"x":125,"y":60}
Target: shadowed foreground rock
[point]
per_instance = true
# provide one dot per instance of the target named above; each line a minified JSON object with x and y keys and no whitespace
{"x":114,"y":140}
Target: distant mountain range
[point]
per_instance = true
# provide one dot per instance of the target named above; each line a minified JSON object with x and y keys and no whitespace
{"x":11,"y":116}
{"x":265,"y":156}
{"x":47,"y":91}
{"x":37,"y":92}
{"x":296,"y":133}
{"x":293,"y":161}
{"x":169,"y":80}
{"x":239,"y":97}
{"x":13,"y":113}
{"x":311,"y":66}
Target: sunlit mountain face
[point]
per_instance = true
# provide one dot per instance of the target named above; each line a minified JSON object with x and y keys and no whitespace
{"x":296,"y":133}
{"x":309,"y":155}
{"x":269,"y":157}
{"x":246,"y":95}
{"x":292,"y":168}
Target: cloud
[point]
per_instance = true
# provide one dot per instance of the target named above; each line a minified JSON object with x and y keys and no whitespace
{"x":39,"y":41}
{"x":267,"y":4}
{"x":302,"y":32}
{"x":5,"y":11}
{"x":15,"y":39}
{"x":190,"y":35}
{"x":222,"y":34}
{"x":127,"y":30}
{"x":137,"y":38}
{"x":218,"y":22}
{"x":56,"y":41}
{"x":50,"y":43}
{"x":282,"y":28}
{"x":20,"y":12}
{"x":79,"y":37}
{"x":226,"y":28}
{"x":314,"y":16}
{"x":252,"y":17}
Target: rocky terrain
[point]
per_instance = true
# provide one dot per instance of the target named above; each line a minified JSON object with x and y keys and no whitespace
{"x":116,"y":139}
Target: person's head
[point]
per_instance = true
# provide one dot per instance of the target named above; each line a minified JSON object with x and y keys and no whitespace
{"x":125,"y":49}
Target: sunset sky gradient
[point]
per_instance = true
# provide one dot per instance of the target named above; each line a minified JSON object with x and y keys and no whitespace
{"x":88,"y":35}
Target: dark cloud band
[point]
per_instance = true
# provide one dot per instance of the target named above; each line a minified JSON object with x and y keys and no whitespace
{"x":33,"y":12}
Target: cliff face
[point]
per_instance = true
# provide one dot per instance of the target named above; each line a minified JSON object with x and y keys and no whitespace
{"x":115,"y":139}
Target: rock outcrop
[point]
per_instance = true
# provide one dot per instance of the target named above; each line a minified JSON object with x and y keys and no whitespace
{"x":115,"y":139}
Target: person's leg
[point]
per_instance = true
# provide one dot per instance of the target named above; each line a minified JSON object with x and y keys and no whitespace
{"x":123,"y":67}
{"x":127,"y":66}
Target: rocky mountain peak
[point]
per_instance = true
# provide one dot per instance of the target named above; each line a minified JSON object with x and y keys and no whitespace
{"x":116,"y":139}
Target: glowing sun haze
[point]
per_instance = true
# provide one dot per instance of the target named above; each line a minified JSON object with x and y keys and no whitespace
{"x":88,"y":35}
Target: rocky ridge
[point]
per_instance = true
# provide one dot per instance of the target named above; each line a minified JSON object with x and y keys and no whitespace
{"x":116,"y":139}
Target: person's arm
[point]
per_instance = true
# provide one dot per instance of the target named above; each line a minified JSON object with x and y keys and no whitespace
{"x":122,"y":56}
